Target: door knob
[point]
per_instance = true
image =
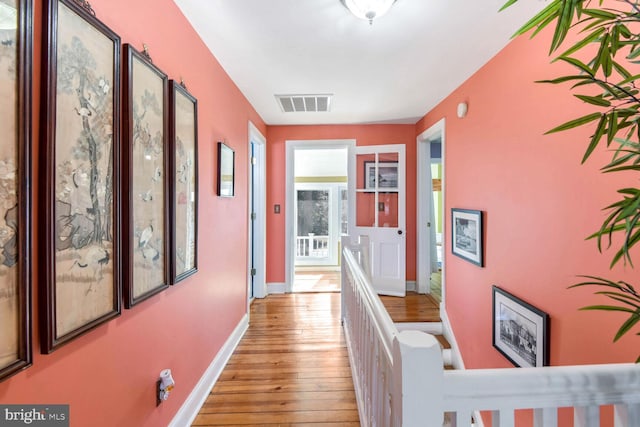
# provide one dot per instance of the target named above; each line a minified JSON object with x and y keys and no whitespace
{"x":400,"y":232}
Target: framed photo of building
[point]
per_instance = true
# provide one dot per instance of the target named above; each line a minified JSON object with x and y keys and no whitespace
{"x":520,"y":330}
{"x":386,"y":178}
{"x":15,"y":175}
{"x":146,"y":184}
{"x":183,"y":130}
{"x":81,"y":286}
{"x":466,"y":235}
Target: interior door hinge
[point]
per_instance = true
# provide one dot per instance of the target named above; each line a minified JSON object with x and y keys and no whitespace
{"x":253,"y":215}
{"x":253,"y":272}
{"x":254,"y":160}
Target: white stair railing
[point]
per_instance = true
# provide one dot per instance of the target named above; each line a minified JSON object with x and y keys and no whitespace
{"x":400,"y":380}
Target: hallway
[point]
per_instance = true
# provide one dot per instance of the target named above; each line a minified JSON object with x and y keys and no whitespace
{"x":291,"y":368}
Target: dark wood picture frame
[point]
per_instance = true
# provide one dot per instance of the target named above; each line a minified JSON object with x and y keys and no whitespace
{"x":81,"y":283}
{"x":146,"y":184}
{"x":520,"y":330}
{"x":183,"y":137}
{"x":467,"y":235}
{"x":226,"y":170}
{"x":15,"y":286}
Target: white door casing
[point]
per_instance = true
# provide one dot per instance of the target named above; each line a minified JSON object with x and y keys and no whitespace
{"x":381,"y":214}
{"x":291,"y":146}
{"x":424,"y":206}
{"x":257,"y":233}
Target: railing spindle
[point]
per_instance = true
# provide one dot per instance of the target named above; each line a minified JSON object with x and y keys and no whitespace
{"x":586,"y":416}
{"x":545,"y":417}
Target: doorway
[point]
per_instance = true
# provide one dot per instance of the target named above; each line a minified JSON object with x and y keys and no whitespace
{"x":431,"y":227}
{"x":256,"y":278}
{"x":317,"y":183}
{"x":380,"y":214}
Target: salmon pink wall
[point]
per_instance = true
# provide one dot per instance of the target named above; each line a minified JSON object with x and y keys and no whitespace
{"x":276,"y":185}
{"x":539,"y":206}
{"x":108,"y":375}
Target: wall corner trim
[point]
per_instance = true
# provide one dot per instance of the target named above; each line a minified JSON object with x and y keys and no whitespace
{"x":276,"y":288}
{"x":190,"y":408}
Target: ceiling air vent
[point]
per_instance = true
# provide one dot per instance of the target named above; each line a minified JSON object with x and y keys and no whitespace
{"x":304,"y":103}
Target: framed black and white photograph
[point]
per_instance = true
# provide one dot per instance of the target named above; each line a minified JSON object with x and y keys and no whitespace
{"x":226,"y":170}
{"x":520,"y":330}
{"x":385,"y":179}
{"x":466,"y":235}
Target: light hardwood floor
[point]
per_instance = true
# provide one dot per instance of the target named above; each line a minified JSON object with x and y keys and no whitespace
{"x":412,"y":308}
{"x":316,"y":281}
{"x":290,"y":369}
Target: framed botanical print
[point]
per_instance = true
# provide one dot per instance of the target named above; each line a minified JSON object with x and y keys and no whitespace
{"x":183,"y":131}
{"x":15,"y":174}
{"x":81,"y":286}
{"x":146,"y":166}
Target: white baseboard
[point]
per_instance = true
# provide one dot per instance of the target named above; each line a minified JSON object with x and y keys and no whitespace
{"x":190,"y":408}
{"x":276,"y":288}
{"x":412,"y":286}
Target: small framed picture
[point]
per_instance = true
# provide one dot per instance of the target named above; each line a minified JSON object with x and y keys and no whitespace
{"x":385,"y":180}
{"x":520,"y":330}
{"x":466,"y":235}
{"x":226,"y":170}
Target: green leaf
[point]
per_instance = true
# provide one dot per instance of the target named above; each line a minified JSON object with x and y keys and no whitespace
{"x":613,"y":127}
{"x":563,"y":24}
{"x":624,"y":30}
{"x":585,"y":41}
{"x":564,"y":79}
{"x":599,"y":13}
{"x":595,"y":139}
{"x":624,"y":168}
{"x":626,"y":326}
{"x":594,"y":100}
{"x":577,"y":63}
{"x":625,"y":299}
{"x":608,"y":308}
{"x":635,"y":52}
{"x":621,"y":70}
{"x":507,"y":4}
{"x":629,"y":78}
{"x":576,"y":122}
{"x":551,"y":10}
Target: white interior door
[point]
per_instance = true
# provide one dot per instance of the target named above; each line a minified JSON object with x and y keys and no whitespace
{"x":380,"y":214}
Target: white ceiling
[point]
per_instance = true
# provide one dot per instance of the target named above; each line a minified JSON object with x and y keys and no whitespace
{"x":393,"y":71}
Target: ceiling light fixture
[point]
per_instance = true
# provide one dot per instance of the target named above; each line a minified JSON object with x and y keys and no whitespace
{"x":368,"y":9}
